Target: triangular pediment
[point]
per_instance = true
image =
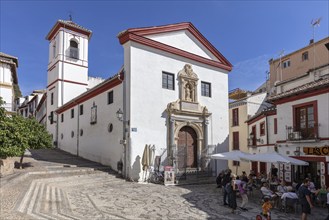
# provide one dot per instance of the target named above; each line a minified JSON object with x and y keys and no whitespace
{"x":180,"y":39}
{"x":183,"y":40}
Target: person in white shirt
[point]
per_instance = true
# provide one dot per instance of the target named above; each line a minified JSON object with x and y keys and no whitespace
{"x":282,"y":188}
{"x":289,"y":194}
{"x":266,"y":191}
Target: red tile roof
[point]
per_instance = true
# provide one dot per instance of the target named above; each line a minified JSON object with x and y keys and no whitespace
{"x":322,"y":83}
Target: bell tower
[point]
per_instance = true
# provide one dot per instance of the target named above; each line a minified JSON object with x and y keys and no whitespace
{"x":67,"y":66}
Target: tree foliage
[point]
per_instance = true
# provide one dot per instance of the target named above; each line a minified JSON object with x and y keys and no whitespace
{"x":17,"y":91}
{"x":18,"y":134}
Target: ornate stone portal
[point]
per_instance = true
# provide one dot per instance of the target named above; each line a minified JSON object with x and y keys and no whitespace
{"x":187,"y":112}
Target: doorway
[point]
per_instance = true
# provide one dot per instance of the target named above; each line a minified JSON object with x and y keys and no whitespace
{"x":187,"y":148}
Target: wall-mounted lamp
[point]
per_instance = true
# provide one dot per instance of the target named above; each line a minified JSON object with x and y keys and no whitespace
{"x":120,"y":114}
{"x":51,"y":118}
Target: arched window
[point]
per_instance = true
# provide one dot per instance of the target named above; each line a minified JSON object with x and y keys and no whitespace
{"x":74,"y":50}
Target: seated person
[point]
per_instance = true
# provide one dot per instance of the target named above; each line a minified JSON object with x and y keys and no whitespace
{"x":289,"y":194}
{"x":267,"y":192}
{"x":282,"y":188}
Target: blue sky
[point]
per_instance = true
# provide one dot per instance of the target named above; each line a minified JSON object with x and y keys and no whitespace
{"x":247,"y":33}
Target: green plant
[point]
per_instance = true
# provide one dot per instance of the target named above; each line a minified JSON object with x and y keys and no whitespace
{"x":17,"y":134}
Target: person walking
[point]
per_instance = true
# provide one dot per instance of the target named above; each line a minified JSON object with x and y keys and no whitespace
{"x":242,"y":186}
{"x":304,"y":196}
{"x":226,"y":179}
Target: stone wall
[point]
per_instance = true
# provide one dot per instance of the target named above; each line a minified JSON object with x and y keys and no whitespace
{"x":6,"y":166}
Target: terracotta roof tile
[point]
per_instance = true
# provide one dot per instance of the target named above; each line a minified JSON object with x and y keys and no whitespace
{"x":300,"y":89}
{"x":72,"y":24}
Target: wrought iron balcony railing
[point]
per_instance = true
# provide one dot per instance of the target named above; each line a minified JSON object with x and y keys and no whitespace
{"x":298,"y":134}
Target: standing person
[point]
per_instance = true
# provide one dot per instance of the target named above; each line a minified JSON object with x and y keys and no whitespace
{"x":226,"y":179}
{"x":219,"y":179}
{"x":232,"y":188}
{"x":304,"y":195}
{"x":243,"y":193}
{"x":274,"y":171}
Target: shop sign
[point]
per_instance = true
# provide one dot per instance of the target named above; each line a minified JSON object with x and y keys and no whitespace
{"x":319,"y":151}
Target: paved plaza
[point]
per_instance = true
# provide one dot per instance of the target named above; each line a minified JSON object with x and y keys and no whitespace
{"x":57,"y":185}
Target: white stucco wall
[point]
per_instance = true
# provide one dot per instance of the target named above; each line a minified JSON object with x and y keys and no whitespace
{"x":96,"y":143}
{"x":148,"y":100}
{"x":285,"y":115}
{"x":184,"y":41}
{"x":255,"y":103}
{"x":6,"y":89}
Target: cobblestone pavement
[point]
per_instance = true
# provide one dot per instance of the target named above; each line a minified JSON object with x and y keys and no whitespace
{"x":93,"y":194}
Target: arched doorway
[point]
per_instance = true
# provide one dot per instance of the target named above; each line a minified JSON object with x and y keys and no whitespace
{"x":187,"y":148}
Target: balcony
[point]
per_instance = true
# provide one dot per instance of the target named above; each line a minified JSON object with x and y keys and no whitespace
{"x":302,"y":134}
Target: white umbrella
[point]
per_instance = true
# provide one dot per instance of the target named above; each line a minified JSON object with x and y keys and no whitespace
{"x":235,"y":155}
{"x":275,"y":157}
{"x":231,"y":155}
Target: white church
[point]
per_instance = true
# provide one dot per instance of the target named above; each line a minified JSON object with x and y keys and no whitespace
{"x":171,"y":93}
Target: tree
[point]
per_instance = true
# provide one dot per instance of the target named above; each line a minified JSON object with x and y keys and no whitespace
{"x":17,"y":91}
{"x":18,"y":134}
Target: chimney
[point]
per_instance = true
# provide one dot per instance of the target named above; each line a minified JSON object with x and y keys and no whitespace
{"x":311,"y":41}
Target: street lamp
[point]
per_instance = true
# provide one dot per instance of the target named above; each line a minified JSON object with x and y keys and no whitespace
{"x":51,"y":118}
{"x":120,"y":114}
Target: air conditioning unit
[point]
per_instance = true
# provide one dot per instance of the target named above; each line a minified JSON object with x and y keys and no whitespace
{"x":294,"y":135}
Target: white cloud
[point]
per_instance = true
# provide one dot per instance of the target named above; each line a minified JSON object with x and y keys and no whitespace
{"x":249,"y":74}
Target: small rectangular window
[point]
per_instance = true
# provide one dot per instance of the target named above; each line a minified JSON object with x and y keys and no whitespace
{"x":235,"y":117}
{"x":206,"y":89}
{"x":275,"y":125}
{"x":168,"y":81}
{"x":51,"y":117}
{"x":305,"y":56}
{"x":236,"y":145}
{"x":52,"y":98}
{"x":286,"y":64}
{"x":72,"y":113}
{"x":81,"y":109}
{"x":110,"y":97}
{"x":62,"y":117}
{"x":262,"y":128}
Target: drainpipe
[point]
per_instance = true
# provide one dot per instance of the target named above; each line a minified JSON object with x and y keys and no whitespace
{"x":126,"y":155}
{"x":57,"y":128}
{"x":78,"y":126}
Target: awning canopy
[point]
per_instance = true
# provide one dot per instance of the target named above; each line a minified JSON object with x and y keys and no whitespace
{"x":275,"y":157}
{"x":235,"y":155}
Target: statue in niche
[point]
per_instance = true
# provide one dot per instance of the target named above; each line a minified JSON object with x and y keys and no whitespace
{"x":188,"y":93}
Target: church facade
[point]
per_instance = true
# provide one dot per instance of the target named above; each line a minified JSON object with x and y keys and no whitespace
{"x":172,"y":94}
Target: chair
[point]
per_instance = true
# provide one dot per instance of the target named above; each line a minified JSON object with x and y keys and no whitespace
{"x":292,"y":203}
